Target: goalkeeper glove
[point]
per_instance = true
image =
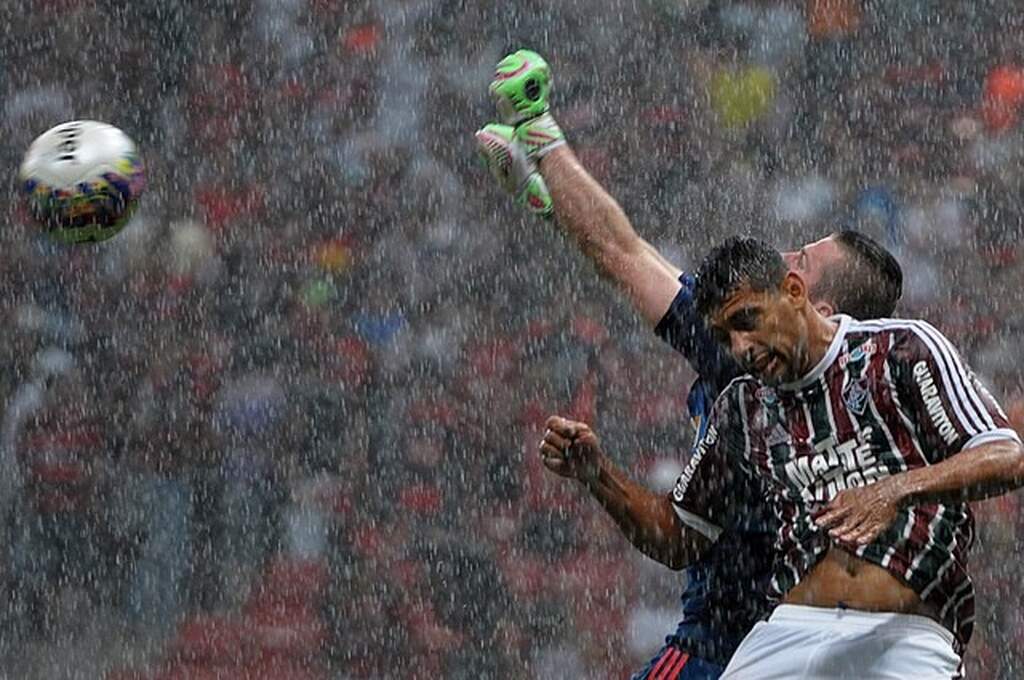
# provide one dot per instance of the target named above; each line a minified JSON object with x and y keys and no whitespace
{"x":521,"y":85}
{"x":514,"y":172}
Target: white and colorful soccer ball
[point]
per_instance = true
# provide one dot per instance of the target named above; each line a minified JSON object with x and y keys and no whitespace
{"x":82,"y":180}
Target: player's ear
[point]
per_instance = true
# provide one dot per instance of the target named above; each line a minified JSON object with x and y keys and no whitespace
{"x":794,"y":289}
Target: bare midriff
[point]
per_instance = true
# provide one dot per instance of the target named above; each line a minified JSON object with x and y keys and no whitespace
{"x":842,"y":580}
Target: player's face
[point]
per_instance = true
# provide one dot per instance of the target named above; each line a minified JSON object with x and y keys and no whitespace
{"x":764,"y":330}
{"x":816,"y":262}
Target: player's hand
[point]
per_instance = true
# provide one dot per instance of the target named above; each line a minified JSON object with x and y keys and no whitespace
{"x":859,"y":514}
{"x":514,"y":172}
{"x":520,"y":89}
{"x":571,"y":449}
{"x":522,"y":82}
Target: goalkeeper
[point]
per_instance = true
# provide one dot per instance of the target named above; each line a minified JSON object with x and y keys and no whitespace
{"x":845,"y":272}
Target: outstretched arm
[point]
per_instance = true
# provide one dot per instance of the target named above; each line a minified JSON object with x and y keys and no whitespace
{"x":530,"y":159}
{"x":604,"y":235}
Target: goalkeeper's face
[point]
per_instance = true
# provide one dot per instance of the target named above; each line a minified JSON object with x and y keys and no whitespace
{"x":816,"y":262}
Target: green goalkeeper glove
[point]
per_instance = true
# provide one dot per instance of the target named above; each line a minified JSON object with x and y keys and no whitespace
{"x":521,"y":85}
{"x":509,"y":165}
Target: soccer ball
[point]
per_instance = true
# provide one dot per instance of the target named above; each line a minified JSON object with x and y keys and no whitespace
{"x":82,"y":180}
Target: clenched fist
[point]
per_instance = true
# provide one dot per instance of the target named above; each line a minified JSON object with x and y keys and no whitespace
{"x":571,"y":449}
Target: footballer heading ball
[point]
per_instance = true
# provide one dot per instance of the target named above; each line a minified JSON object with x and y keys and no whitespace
{"x":82,"y":180}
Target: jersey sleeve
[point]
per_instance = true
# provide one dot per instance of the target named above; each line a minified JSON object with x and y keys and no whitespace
{"x":704,"y":497}
{"x":686,"y":332}
{"x":949,"y":406}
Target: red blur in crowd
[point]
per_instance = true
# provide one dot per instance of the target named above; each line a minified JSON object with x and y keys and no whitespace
{"x":1002,"y":98}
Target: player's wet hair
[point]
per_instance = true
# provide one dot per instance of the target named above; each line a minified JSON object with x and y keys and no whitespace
{"x":870,"y":281}
{"x":734,"y":262}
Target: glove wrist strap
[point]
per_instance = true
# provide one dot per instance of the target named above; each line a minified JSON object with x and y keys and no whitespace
{"x":540,"y":136}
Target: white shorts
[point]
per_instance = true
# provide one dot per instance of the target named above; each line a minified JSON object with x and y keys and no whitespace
{"x":816,"y":642}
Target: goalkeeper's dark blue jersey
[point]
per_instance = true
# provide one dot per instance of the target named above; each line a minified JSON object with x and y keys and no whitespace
{"x":725,"y":591}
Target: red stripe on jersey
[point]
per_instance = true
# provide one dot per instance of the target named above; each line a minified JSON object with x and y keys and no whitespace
{"x":674,"y":671}
{"x":799,"y":428}
{"x":670,"y":653}
{"x":923,"y":518}
{"x":881,"y":394}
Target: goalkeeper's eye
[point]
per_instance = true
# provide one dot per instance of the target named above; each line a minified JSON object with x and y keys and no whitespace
{"x":532,"y":89}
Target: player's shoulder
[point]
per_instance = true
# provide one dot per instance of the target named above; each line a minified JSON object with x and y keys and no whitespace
{"x":890,"y":325}
{"x":900,"y":332}
{"x":738,"y":391}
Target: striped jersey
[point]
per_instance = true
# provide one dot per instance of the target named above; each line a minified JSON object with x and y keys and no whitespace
{"x":888,"y":396}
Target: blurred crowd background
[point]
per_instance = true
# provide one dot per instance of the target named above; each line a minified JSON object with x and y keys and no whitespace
{"x":284,"y":426}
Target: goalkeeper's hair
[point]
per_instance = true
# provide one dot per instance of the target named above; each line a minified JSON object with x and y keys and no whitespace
{"x":868,"y":284}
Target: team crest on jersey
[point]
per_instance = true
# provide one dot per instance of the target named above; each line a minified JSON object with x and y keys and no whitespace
{"x":861,"y":351}
{"x":856,"y":396}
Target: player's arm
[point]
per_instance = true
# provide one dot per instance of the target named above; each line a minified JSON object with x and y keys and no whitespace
{"x":587,"y":213}
{"x":975,"y":474}
{"x":654,"y":285}
{"x":971,"y":450}
{"x":530,"y":138}
{"x":648,"y":520}
{"x":605,"y":235}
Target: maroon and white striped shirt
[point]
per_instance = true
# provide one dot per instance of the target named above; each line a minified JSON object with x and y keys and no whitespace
{"x":889,"y":396}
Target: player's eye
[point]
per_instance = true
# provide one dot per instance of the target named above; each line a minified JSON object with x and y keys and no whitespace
{"x":744,"y":320}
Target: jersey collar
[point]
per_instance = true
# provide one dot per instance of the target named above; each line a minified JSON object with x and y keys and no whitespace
{"x":834,"y":348}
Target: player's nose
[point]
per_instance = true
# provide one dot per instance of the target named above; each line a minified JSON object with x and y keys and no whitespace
{"x":741,"y":345}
